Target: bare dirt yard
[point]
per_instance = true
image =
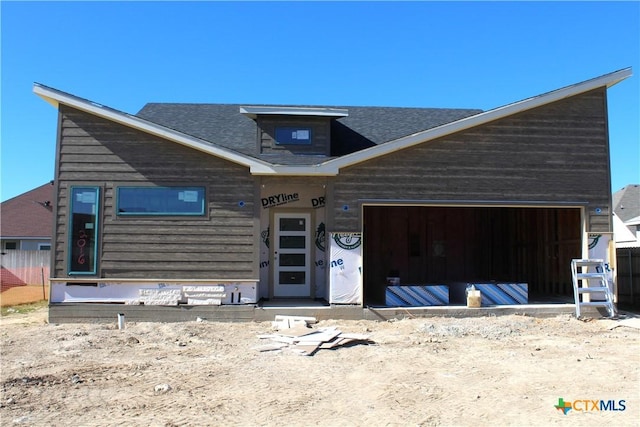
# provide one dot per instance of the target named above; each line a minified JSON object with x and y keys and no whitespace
{"x":509,"y":370}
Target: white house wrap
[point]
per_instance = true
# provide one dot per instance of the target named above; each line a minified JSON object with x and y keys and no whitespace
{"x":345,"y":268}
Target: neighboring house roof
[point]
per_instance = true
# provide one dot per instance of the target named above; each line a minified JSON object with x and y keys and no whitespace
{"x":626,"y":209}
{"x":28,"y":215}
{"x":626,"y":202}
{"x":411,"y":128}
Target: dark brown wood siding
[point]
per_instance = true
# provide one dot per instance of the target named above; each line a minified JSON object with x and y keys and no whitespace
{"x":554,"y":153}
{"x":220,"y":245}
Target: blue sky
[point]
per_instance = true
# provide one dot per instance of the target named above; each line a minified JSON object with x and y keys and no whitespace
{"x":413,"y":54}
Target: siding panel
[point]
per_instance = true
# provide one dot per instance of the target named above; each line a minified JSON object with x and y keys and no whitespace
{"x":556,"y":153}
{"x":220,"y":245}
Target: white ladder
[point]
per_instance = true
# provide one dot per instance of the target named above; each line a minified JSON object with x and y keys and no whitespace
{"x":590,"y":277}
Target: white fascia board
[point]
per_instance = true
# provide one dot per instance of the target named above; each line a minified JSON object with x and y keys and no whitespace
{"x":312,"y":170}
{"x":254,"y":111}
{"x":56,"y":98}
{"x":607,"y":80}
{"x":330,"y":167}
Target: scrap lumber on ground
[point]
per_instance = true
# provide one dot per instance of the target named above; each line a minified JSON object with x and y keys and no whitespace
{"x":285,"y":322}
{"x":295,"y":333}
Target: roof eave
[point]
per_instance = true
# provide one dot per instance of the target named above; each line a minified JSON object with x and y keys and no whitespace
{"x":607,"y":80}
{"x":280,"y":170}
{"x":56,"y":97}
{"x":255,"y":111}
{"x":24,"y":237}
{"x":330,"y":167}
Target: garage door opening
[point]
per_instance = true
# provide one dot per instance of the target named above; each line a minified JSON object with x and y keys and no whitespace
{"x":425,"y":245}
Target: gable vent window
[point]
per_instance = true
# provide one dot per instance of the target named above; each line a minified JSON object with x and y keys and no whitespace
{"x":293,"y":136}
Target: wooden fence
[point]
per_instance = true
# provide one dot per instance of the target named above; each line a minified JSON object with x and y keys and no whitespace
{"x":628,"y":277}
{"x":25,"y":268}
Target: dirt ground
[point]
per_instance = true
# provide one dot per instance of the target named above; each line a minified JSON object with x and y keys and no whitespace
{"x":509,"y":370}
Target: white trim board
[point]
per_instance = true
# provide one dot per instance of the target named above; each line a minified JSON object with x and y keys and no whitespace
{"x":56,"y":97}
{"x":607,"y":80}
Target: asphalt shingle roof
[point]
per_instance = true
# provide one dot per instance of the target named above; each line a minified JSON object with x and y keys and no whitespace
{"x":225,"y":126}
{"x":29,"y":214}
{"x":626,"y":202}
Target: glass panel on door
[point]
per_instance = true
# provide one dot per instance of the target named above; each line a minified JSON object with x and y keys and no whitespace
{"x":293,"y":224}
{"x":292,"y":277}
{"x":292,"y":242}
{"x":289,"y":260}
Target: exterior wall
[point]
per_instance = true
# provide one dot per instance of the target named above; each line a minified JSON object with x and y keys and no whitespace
{"x":13,"y":243}
{"x":220,"y":245}
{"x":320,"y":134}
{"x":31,"y":244}
{"x":34,"y":245}
{"x":554,"y":153}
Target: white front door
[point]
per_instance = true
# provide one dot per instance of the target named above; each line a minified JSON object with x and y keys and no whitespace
{"x":292,"y":255}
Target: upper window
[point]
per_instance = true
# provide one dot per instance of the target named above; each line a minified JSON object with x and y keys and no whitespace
{"x":293,"y":136}
{"x":166,"y":201}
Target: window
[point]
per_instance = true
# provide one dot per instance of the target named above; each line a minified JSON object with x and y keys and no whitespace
{"x":167,"y":201}
{"x":83,"y":230}
{"x":293,"y":136}
{"x":44,"y":247}
{"x":11,"y":245}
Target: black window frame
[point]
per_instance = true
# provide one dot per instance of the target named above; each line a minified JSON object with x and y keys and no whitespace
{"x":280,"y":141}
{"x":200,"y":202}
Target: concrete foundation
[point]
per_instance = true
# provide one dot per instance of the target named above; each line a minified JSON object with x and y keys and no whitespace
{"x":104,"y":313}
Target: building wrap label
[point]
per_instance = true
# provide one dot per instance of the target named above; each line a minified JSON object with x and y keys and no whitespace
{"x":345,"y":268}
{"x":279,"y":199}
